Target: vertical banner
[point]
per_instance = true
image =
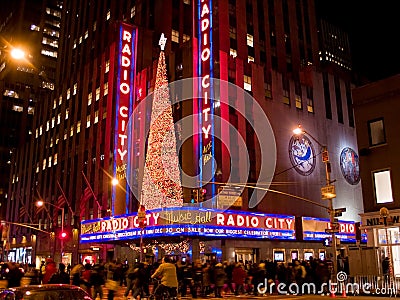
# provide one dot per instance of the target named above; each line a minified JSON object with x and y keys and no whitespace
{"x":125,"y":91}
{"x":205,"y":107}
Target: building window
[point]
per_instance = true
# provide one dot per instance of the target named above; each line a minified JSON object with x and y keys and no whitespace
{"x":299,"y":103}
{"x":247,"y":83}
{"x":89,"y":99}
{"x":105,"y":89}
{"x":54,"y":103}
{"x":107,"y":66}
{"x":250,"y":59}
{"x":53,"y":122}
{"x":376,"y":130}
{"x":186,"y":37}
{"x":44,"y":164}
{"x":232,"y":52}
{"x":232,"y":32}
{"x":71,"y":132}
{"x":88,"y":121}
{"x":108,"y":15}
{"x":383,"y":186}
{"x":186,"y":2}
{"x":68,"y":94}
{"x":55,"y":159}
{"x":66,"y":114}
{"x":98,"y":94}
{"x":250,"y":40}
{"x":268,"y":90}
{"x":96,"y":116}
{"x":58,"y":119}
{"x":75,"y":88}
{"x":60,"y":100}
{"x":133,"y":11}
{"x":310,"y":99}
{"x":78,"y":127}
{"x":175,"y":36}
{"x":286,"y":91}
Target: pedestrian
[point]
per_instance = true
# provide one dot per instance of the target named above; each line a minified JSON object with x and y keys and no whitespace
{"x":61,"y":276}
{"x":97,"y":280}
{"x":219,"y":279}
{"x":238,"y":278}
{"x":50,"y":269}
{"x":85,"y":279}
{"x":169,"y":278}
{"x":75,"y":274}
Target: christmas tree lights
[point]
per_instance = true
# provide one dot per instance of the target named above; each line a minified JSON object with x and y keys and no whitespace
{"x":161,"y":179}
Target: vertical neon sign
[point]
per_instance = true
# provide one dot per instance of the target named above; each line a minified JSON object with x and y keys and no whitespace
{"x":124,"y":104}
{"x":205,"y":90}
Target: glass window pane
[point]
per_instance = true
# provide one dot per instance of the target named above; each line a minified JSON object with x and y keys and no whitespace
{"x":383,"y":187}
{"x":377,"y":132}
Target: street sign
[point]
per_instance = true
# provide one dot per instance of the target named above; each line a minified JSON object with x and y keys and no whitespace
{"x":335,"y":225}
{"x":328,"y":192}
{"x":338,"y":212}
{"x":329,"y":230}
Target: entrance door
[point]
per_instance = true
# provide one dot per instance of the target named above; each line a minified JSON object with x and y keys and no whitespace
{"x":246,"y":254}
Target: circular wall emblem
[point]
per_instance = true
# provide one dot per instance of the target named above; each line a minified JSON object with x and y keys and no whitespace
{"x":349,"y":164}
{"x":302,"y":154}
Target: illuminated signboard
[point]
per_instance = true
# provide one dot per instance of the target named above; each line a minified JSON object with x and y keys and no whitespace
{"x":190,"y":221}
{"x":314,"y":230}
{"x":125,"y":90}
{"x":204,"y":72}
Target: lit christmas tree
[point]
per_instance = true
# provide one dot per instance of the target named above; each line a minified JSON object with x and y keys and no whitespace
{"x":161,"y":179}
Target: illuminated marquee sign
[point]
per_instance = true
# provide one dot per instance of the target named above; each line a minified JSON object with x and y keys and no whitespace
{"x":314,"y":230}
{"x":190,"y":221}
{"x":205,"y":89}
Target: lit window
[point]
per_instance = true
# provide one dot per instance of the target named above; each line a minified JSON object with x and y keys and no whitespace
{"x":17,"y":108}
{"x":250,"y":59}
{"x":57,"y":139}
{"x":186,"y":37}
{"x":75,"y":88}
{"x":94,"y":25}
{"x":50,"y":161}
{"x":175,"y":36}
{"x":78,"y":127}
{"x":58,"y":118}
{"x":80,"y":39}
{"x":47,"y":125}
{"x":86,"y":34}
{"x":97,"y":94}
{"x":249,"y":40}
{"x":60,"y":100}
{"x":383,"y":186}
{"x":88,"y":121}
{"x":107,"y":66}
{"x":44,"y":164}
{"x":133,"y":11}
{"x":66,"y":114}
{"x":53,"y":122}
{"x":55,"y":159}
{"x":35,"y":27}
{"x":104,"y":115}
{"x":37,"y":168}
{"x":247,"y":83}
{"x":51,"y":142}
{"x":65,"y":134}
{"x":68,"y":94}
{"x":376,"y":130}
{"x":232,"y":52}
{"x":74,"y":44}
{"x":89,"y":99}
{"x":11,"y":93}
{"x":108,"y":15}
{"x":105,"y":89}
{"x":96,"y":116}
{"x":268,"y":90}
{"x":299,"y":103}
{"x":286,"y":97}
{"x":54,"y":103}
{"x":71,"y":131}
{"x":41,"y":130}
{"x":36,"y":133}
{"x":186,"y":2}
{"x":310,"y":105}
{"x":49,"y":53}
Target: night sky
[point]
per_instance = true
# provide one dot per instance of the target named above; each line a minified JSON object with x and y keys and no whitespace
{"x":374,"y":33}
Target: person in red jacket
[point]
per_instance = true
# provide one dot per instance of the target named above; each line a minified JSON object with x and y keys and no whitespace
{"x":50,"y":269}
{"x":238,"y":277}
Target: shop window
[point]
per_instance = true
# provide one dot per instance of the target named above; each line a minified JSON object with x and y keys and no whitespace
{"x":376,"y":130}
{"x":383,"y":186}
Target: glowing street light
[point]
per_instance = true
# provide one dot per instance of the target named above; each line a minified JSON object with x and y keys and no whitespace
{"x":114,"y":181}
{"x":17,"y":53}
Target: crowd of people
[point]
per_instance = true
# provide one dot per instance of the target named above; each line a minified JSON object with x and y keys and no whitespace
{"x":196,"y":279}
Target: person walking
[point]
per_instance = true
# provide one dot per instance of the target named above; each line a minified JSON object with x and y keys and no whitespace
{"x":169,"y":279}
{"x":61,"y":276}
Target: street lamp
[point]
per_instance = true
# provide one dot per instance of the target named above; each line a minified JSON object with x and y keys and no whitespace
{"x":17,"y":53}
{"x":40,"y":203}
{"x":328,"y":191}
{"x":384,"y":213}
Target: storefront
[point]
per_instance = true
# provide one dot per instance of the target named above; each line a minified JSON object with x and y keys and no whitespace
{"x":384,"y":237}
{"x":218,"y":234}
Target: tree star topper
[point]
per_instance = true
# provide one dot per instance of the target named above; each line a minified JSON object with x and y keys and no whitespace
{"x":162,"y":41}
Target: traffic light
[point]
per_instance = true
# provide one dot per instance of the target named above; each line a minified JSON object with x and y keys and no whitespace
{"x":63,"y":235}
{"x":194,"y":196}
{"x":202,"y":194}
